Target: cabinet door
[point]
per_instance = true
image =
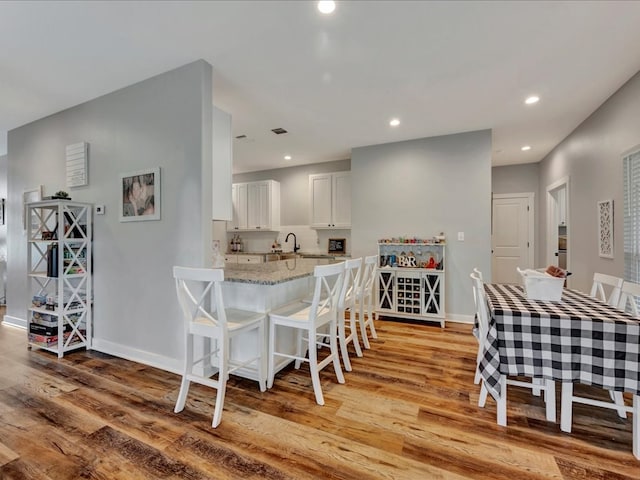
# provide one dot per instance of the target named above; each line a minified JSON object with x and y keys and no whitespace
{"x":320,"y":201}
{"x":341,"y":200}
{"x":259,"y":205}
{"x":239,"y":202}
{"x":386,"y":291}
{"x":432,"y":290}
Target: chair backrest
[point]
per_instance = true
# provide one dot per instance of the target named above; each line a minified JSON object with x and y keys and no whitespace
{"x":597,"y":289}
{"x":481,"y":305}
{"x":351,"y":283}
{"x":368,"y":275}
{"x":478,"y":274}
{"x":629,"y":295}
{"x":194,"y":287}
{"x":326,"y":293}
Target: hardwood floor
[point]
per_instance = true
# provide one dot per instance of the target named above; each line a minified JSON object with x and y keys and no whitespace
{"x":407,"y":411}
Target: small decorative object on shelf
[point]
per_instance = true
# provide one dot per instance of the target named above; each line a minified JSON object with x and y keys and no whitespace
{"x":411,"y":278}
{"x":59,"y":275}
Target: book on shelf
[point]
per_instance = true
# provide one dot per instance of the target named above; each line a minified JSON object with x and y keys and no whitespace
{"x":47,"y":330}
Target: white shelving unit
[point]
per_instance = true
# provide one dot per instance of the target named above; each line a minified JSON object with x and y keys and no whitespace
{"x":59,"y":234}
{"x":416,"y":292}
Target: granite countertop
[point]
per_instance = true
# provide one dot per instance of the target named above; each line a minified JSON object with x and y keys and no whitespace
{"x":272,"y":273}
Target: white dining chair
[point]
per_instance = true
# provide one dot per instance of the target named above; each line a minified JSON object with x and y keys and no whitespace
{"x":365,"y":297}
{"x":477,"y":333}
{"x":614,"y":284}
{"x":347,"y":301}
{"x":536,"y":385}
{"x":629,"y":294}
{"x":206,"y":317}
{"x":318,"y":320}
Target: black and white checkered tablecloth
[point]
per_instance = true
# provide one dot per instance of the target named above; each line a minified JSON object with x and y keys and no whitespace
{"x":579,"y":339}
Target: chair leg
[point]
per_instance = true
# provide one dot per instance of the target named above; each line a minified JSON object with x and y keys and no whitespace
{"x":188,"y":366}
{"x":353,"y":332}
{"x":482,"y":399}
{"x":502,"y":402}
{"x":333,"y":345}
{"x":261,"y":359}
{"x":371,"y":317}
{"x":300,"y":348}
{"x":342,"y":337}
{"x":313,"y":367}
{"x":536,"y":391}
{"x":363,"y":326}
{"x":618,"y":399}
{"x":271,"y":371}
{"x":566,"y":407}
{"x":478,"y":377}
{"x":550,"y":398}
{"x":223,"y":374}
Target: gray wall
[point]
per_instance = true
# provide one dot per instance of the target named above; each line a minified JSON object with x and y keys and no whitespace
{"x":515,"y":178}
{"x":592,"y":158}
{"x":423,"y":187}
{"x":523,"y":178}
{"x":3,"y":230}
{"x":294,"y":187}
{"x":164,"y":121}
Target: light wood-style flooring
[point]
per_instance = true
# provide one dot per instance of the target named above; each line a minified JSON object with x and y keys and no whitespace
{"x":407,"y":411}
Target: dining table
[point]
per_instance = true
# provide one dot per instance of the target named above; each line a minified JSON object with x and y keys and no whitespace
{"x":578,"y":339}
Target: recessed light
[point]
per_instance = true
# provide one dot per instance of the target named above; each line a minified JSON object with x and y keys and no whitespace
{"x":326,"y":6}
{"x":525,"y":148}
{"x":394,"y":122}
{"x":532,"y":99}
{"x":287,"y":157}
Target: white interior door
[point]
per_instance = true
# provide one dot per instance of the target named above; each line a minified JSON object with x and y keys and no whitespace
{"x":512,"y":238}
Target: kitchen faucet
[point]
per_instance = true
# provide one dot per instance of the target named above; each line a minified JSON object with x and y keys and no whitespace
{"x":296,"y":247}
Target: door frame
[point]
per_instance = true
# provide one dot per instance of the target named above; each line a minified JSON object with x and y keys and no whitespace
{"x":552,"y":221}
{"x":530,"y":217}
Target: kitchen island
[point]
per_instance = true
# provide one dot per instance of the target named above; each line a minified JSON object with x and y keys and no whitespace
{"x":263,"y":287}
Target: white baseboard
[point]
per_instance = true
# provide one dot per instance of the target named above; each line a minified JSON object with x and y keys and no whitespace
{"x":460,"y":318}
{"x":140,"y":356}
{"x":15,"y":321}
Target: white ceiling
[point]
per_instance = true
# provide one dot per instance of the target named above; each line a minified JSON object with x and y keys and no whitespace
{"x":333,"y":82}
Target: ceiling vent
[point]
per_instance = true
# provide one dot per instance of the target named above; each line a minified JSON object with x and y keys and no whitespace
{"x":241,"y":136}
{"x":279,"y":131}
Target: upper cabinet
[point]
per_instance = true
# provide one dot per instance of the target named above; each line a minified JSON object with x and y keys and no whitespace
{"x":256,"y":206}
{"x":330,"y":200}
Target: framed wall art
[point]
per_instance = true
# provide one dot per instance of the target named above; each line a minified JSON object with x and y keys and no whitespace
{"x":140,"y":195}
{"x":605,"y":228}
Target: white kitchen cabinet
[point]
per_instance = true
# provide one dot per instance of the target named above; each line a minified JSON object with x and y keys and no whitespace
{"x":330,"y":200}
{"x":256,"y":206}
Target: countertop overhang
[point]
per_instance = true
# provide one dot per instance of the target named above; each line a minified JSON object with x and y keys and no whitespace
{"x":272,"y":273}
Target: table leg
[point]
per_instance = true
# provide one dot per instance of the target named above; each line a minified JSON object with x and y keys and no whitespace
{"x":566,"y":407}
{"x":636,"y":426}
{"x":550,"y":399}
{"x":502,"y":402}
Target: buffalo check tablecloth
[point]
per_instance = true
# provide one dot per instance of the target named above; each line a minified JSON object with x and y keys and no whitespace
{"x":579,"y":339}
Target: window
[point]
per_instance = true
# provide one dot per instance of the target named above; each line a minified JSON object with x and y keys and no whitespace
{"x":632,"y":216}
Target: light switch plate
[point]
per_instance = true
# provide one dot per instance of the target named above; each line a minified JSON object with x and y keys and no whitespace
{"x":461,"y":236}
